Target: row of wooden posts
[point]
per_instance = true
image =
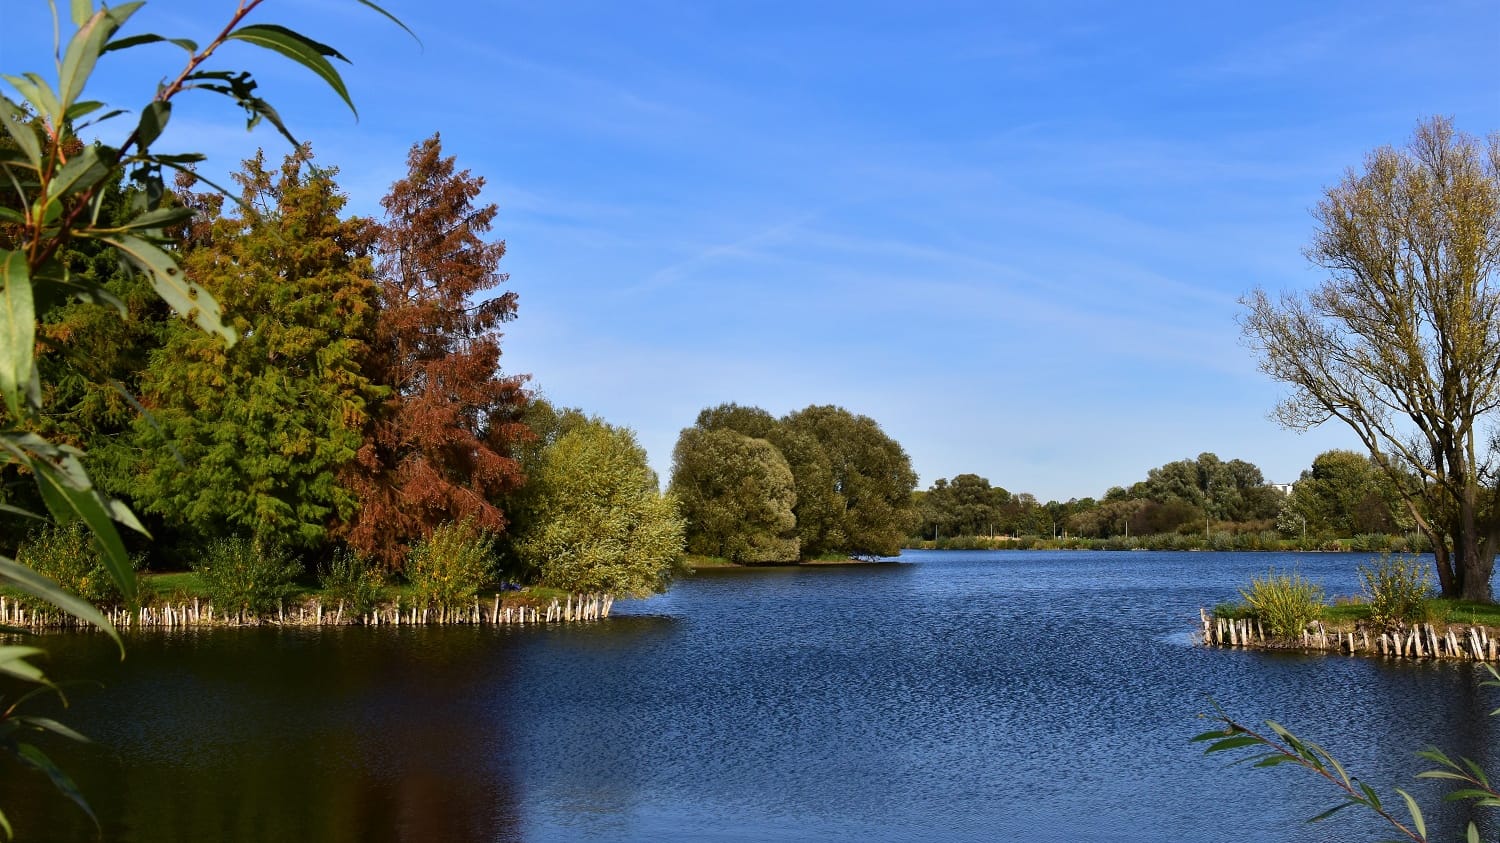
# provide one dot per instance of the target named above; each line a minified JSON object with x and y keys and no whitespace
{"x":1422,"y":641}
{"x":575,"y":607}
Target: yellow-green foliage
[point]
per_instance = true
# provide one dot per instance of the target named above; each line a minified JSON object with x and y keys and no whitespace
{"x":1397,"y":589}
{"x":600,"y":524}
{"x":65,"y":553}
{"x":448,"y":568}
{"x":242,"y":575}
{"x":351,"y":579}
{"x":1284,"y":603}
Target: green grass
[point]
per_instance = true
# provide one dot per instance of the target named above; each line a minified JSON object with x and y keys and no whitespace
{"x":1438,"y":610}
{"x":1349,"y":613}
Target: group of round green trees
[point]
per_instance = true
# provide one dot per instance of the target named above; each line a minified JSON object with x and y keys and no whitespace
{"x":821,"y":481}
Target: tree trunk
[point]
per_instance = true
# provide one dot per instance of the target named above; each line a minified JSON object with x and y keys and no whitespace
{"x":1447,"y":582}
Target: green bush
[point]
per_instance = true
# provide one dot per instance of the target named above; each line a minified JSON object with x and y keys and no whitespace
{"x":351,"y":579}
{"x":65,"y":553}
{"x":1397,"y":588}
{"x":1284,"y":603}
{"x":241,"y":575}
{"x":448,"y":568}
{"x":1233,"y":611}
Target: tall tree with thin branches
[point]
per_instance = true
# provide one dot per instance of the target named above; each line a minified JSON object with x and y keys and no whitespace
{"x":1402,"y":341}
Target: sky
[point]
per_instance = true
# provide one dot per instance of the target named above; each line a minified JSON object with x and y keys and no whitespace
{"x":1015,"y":234}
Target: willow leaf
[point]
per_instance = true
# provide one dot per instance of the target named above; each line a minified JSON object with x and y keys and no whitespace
{"x":301,"y":49}
{"x":17,"y":330}
{"x":187,"y":298}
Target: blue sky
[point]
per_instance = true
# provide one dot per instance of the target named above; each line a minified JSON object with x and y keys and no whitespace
{"x":1015,"y":234}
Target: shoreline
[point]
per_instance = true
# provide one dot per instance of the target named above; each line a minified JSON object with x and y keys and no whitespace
{"x":1430,"y":641}
{"x":704,"y":563}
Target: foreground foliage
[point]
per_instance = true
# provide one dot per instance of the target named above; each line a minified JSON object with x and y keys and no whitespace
{"x":55,"y":189}
{"x":1281,"y":746}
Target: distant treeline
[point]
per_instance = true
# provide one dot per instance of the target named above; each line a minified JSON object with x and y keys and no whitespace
{"x":1343,"y":501}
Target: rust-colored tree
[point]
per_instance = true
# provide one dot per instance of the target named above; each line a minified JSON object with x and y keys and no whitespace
{"x":441,"y":446}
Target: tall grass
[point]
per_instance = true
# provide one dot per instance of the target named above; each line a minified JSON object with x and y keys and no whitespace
{"x":1284,"y":603}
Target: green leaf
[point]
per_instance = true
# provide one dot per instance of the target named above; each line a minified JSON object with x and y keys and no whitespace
{"x":17,"y":330}
{"x":82,"y":109}
{"x":187,"y":298}
{"x":148,"y":38}
{"x":69,"y":495}
{"x":81,"y":10}
{"x":36,"y":91}
{"x":298,"y":48}
{"x":1369,"y":793}
{"x":47,"y":724}
{"x":1415,"y":811}
{"x":1231,"y":743}
{"x":1473,"y":834}
{"x":159,"y":218}
{"x":85,"y":47}
{"x":82,"y":172}
{"x":30,"y":582}
{"x":1331,"y":811}
{"x":60,"y":780}
{"x":14,"y":662}
{"x":153,"y":119}
{"x":21,"y":130}
{"x":16,"y":510}
{"x":392,"y":18}
{"x":1468,"y":793}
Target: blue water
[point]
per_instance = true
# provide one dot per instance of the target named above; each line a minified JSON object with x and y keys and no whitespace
{"x":950,"y":696}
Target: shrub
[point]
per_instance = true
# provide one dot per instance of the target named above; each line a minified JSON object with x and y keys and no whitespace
{"x":241,"y":575}
{"x":351,"y":579}
{"x":1397,"y":588}
{"x":449,"y":567}
{"x":65,"y":553}
{"x":1284,"y":603}
{"x":1233,"y":611}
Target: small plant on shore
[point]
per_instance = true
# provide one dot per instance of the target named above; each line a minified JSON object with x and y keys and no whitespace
{"x":241,"y":575}
{"x":351,"y":579}
{"x":1397,"y":589}
{"x":1284,"y":603}
{"x":66,"y":554}
{"x":1233,"y":611}
{"x":448,"y":568}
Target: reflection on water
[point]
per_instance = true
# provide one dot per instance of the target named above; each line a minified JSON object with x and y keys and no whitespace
{"x":960,"y":696}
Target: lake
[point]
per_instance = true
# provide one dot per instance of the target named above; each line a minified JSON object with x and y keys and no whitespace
{"x":948,"y":696}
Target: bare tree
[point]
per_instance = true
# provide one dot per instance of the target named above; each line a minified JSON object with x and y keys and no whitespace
{"x":1402,"y":341}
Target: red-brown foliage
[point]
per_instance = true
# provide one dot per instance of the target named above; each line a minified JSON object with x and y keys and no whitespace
{"x":440,"y":446}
